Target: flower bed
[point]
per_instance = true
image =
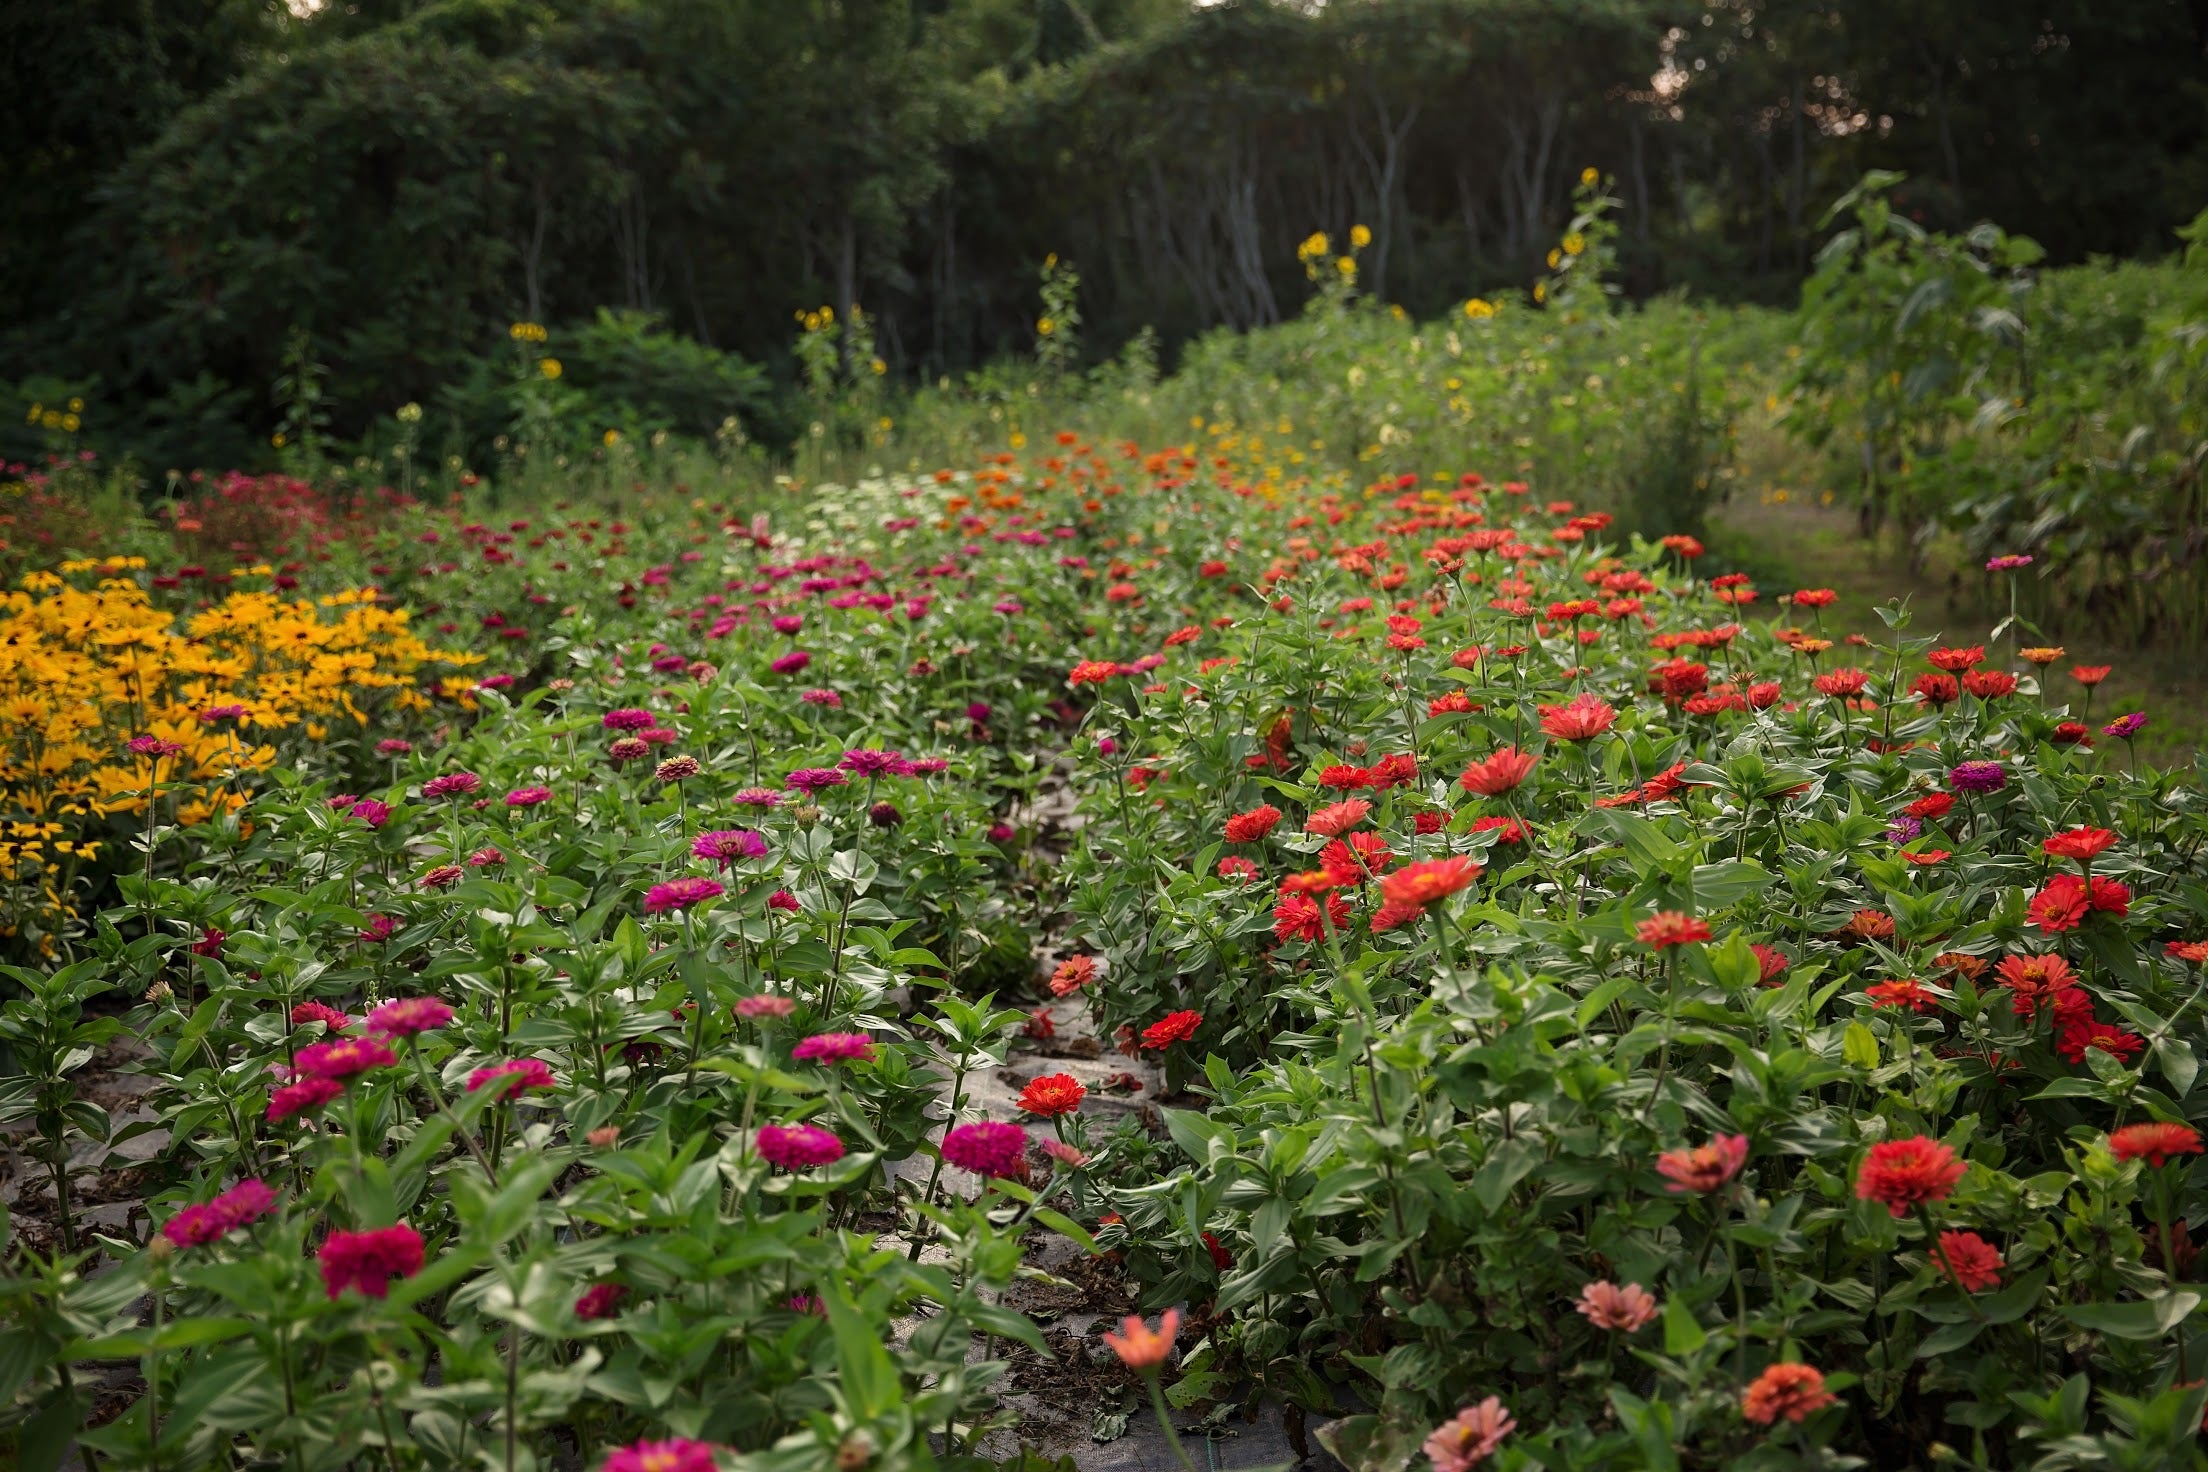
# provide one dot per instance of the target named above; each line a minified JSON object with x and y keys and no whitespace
{"x":1603,"y":1028}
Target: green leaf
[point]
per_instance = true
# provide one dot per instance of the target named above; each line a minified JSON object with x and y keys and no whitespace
{"x":869,"y":1375}
{"x":2149,"y":1319}
{"x":1505,"y":1168}
{"x":1950,"y":1337}
{"x":1859,"y":1045}
{"x":1683,"y":1333}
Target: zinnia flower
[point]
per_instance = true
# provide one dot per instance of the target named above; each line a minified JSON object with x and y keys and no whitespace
{"x":798,"y":1146}
{"x":1333,"y":821}
{"x":814,"y":780}
{"x":1792,"y":1391}
{"x":2125,"y":726}
{"x":680,"y":894}
{"x":1901,"y":1174}
{"x":835,"y":1047}
{"x":1052,"y":1094}
{"x":2156,"y":1142}
{"x":1972,"y":1261}
{"x":1705,"y":1167}
{"x":1668,"y":928}
{"x":241,"y":1205}
{"x":1585,"y":718}
{"x":1904,"y":991}
{"x":1141,"y":1347}
{"x":370,"y":1260}
{"x":1417,"y":885}
{"x":406,"y":1016}
{"x":453,"y":784}
{"x":528,"y":797}
{"x":344,"y":1058}
{"x":2082,"y":844}
{"x":600,"y":1301}
{"x":1499,"y":773}
{"x":1253,"y":825}
{"x":1174,"y":1027}
{"x":329,"y":1017}
{"x":628,"y":719}
{"x":764,"y":1005}
{"x":1469,"y":1437}
{"x":989,"y":1148}
{"x":867,"y":762}
{"x":1978,"y":777}
{"x":1073,"y":973}
{"x":676,"y":1454}
{"x":512,"y":1077}
{"x":1607,"y":1306}
{"x":301,"y":1096}
{"x":728,"y":845}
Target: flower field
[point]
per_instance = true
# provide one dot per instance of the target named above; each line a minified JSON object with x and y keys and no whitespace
{"x":633,"y":985}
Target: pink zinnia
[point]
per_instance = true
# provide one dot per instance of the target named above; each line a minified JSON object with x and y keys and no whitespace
{"x":452,"y":784}
{"x":241,"y":1205}
{"x":727,"y":845}
{"x":369,"y":811}
{"x":835,"y":1047}
{"x":757,"y":797}
{"x":791,"y":663}
{"x":679,"y":894}
{"x":798,"y":1146}
{"x":987,"y":1148}
{"x":1607,"y":1306}
{"x":528,"y":797}
{"x":1470,"y":1436}
{"x":513,"y":1077}
{"x":677,"y":1454}
{"x":628,"y":719}
{"x":298,"y":1098}
{"x":764,"y":1005}
{"x":370,"y":1260}
{"x":344,"y":1058}
{"x":600,"y":1301}
{"x":409,"y":1015}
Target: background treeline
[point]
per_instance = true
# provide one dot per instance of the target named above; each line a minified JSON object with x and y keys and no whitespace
{"x":213,"y":200}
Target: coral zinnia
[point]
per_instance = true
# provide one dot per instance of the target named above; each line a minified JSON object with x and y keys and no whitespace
{"x":1904,"y":991}
{"x":1469,"y":1437}
{"x":1498,"y":774}
{"x":1972,"y":1261}
{"x":1073,"y":973}
{"x":1705,"y":1167}
{"x":1667,"y":928}
{"x":1587,"y":717}
{"x":2080,"y":843}
{"x":1335,"y":820}
{"x":2155,"y":1142}
{"x":1141,"y":1347}
{"x":1607,"y":1306}
{"x":1792,"y":1391}
{"x":1051,"y":1094}
{"x":1902,"y":1174}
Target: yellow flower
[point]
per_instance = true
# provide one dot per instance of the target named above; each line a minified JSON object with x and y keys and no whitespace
{"x":1044,"y":326}
{"x":1314,"y":246}
{"x":1587,"y":178}
{"x":1540,"y":291}
{"x":1347,"y":266}
{"x":611,"y":438}
{"x":1553,"y":259}
{"x":1574,"y":243}
{"x":1478,"y":310}
{"x":76,"y":406}
{"x":277,"y":439}
{"x":1018,"y":440}
{"x":879,"y":367}
{"x":549,"y":367}
{"x":1359,"y":237}
{"x":1050,"y":261}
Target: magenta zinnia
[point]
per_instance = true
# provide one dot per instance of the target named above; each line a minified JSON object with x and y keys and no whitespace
{"x":680,"y":894}
{"x":798,"y":1146}
{"x":241,"y":1205}
{"x":513,"y":1077}
{"x":370,"y":1260}
{"x":987,"y":1148}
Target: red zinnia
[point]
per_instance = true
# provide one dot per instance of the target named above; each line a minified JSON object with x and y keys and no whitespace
{"x":1901,"y":1174}
{"x":1333,"y":821}
{"x":1907,"y":992}
{"x":1249,"y":827}
{"x":2154,"y":1142}
{"x":1587,"y":717}
{"x":2080,"y":843}
{"x":1174,"y":1027}
{"x":2061,"y":905}
{"x":1053,"y":1093}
